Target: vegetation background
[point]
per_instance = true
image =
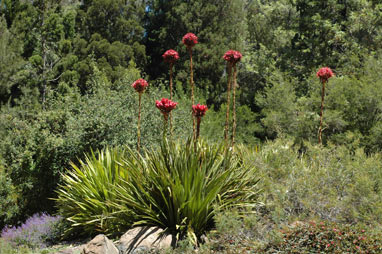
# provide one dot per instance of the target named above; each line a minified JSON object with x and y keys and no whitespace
{"x":66,"y":67}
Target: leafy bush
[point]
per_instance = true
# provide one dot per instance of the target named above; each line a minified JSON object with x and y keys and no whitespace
{"x":180,"y":188}
{"x":332,"y":183}
{"x":84,"y":196}
{"x":8,"y":199}
{"x":325,"y":237}
{"x":37,"y":232}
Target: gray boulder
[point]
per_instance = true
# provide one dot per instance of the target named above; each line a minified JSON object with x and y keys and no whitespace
{"x":143,"y":239}
{"x":100,"y":245}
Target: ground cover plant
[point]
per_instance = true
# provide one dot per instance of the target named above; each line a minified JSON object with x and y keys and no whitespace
{"x":324,"y":237}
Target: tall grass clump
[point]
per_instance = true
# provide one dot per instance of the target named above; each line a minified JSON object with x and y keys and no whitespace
{"x":86,"y":190}
{"x":179,"y":188}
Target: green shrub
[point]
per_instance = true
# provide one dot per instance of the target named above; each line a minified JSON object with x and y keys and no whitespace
{"x":84,"y":196}
{"x":8,"y":199}
{"x":180,"y":189}
{"x":332,"y":183}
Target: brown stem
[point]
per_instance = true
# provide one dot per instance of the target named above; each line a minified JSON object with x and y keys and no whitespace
{"x":198,"y":120}
{"x":228,"y":103}
{"x":139,"y":123}
{"x":234,"y":106}
{"x":192,"y":92}
{"x":171,"y":65}
{"x":165,"y":118}
{"x":321,"y":113}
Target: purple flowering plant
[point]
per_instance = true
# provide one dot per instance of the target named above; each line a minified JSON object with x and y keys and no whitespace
{"x":37,"y":231}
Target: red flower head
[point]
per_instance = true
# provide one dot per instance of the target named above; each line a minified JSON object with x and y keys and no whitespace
{"x":140,"y":85}
{"x":170,"y":56}
{"x":232,"y":56}
{"x":324,"y":74}
{"x":165,"y":105}
{"x":199,"y":110}
{"x":190,"y":40}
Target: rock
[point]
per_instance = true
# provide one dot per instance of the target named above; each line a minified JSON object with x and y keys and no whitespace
{"x":100,"y":245}
{"x":142,"y":239}
{"x":71,"y":250}
{"x":65,"y":251}
{"x":297,"y":224}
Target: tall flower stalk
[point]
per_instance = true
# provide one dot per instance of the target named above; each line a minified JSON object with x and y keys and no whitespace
{"x":139,"y":86}
{"x":324,"y":74}
{"x":226,"y":126}
{"x":165,"y":106}
{"x":232,"y":57}
{"x":234,"y":106}
{"x":170,"y":57}
{"x":198,"y":111}
{"x":190,"y":40}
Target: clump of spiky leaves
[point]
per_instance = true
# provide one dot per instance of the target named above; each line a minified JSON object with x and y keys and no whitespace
{"x":86,"y":190}
{"x":179,"y":188}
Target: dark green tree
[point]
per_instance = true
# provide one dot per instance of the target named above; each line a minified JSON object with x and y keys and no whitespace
{"x":11,"y":61}
{"x":110,"y":34}
{"x":9,"y":9}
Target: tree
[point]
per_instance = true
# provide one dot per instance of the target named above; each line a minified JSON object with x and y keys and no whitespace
{"x":110,"y":34}
{"x":10,"y":60}
{"x":9,"y":9}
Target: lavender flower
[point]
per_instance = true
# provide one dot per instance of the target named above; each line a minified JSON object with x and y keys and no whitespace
{"x":34,"y":233}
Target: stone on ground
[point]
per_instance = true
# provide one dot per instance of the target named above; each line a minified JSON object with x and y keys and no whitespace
{"x":100,"y":245}
{"x":142,"y":239}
